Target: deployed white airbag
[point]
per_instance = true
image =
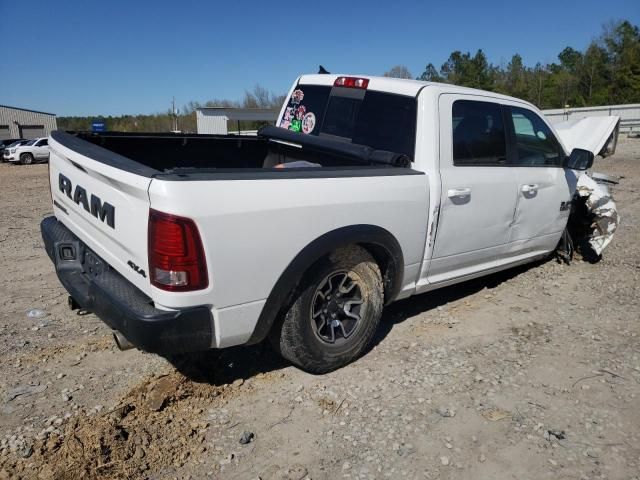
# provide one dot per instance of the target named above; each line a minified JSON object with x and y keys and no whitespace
{"x":599,"y":202}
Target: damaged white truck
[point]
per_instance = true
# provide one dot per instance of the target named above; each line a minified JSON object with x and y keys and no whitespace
{"x":367,"y":190}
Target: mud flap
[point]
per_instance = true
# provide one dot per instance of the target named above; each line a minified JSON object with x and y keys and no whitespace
{"x":565,"y":249}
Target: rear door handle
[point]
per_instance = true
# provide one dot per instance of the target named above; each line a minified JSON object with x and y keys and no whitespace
{"x":459,"y":192}
{"x":530,"y":188}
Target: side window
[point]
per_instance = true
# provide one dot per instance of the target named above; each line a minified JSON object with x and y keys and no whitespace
{"x":478,"y":134}
{"x":44,"y":142}
{"x":535,"y":143}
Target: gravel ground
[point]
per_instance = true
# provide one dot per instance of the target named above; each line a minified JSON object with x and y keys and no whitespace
{"x":533,"y":373}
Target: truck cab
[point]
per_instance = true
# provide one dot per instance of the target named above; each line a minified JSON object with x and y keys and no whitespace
{"x":499,"y":192}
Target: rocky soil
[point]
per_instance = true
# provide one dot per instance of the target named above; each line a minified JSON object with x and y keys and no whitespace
{"x":530,"y":374}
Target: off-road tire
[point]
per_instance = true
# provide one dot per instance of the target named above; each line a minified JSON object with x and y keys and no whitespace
{"x":26,"y":159}
{"x":298,"y":340}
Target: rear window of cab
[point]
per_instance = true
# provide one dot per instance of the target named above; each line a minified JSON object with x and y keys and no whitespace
{"x":380,"y":120}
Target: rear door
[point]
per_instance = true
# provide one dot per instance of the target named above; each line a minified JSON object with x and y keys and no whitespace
{"x":478,"y":193}
{"x":544,"y":187}
{"x":105,"y":205}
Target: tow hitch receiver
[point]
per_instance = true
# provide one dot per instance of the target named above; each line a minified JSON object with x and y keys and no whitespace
{"x":68,"y":256}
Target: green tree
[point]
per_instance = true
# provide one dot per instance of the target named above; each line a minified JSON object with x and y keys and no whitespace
{"x":454,"y":69}
{"x":463,"y":69}
{"x":594,"y":75}
{"x":538,"y":85}
{"x":622,"y":41}
{"x":482,"y":72}
{"x":606,"y":71}
{"x":430,"y":74}
{"x":516,"y":78}
{"x":570,"y":59}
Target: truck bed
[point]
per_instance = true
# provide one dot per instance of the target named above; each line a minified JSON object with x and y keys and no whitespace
{"x":160,"y":153}
{"x":165,"y":152}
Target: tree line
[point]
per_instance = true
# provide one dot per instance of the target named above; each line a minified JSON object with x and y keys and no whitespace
{"x":185,"y":117}
{"x":606,"y":72}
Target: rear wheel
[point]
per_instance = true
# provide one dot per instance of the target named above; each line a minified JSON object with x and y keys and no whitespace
{"x":335,"y":315}
{"x":26,"y":159}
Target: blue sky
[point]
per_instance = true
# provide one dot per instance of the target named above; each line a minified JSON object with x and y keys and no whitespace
{"x":113,"y":57}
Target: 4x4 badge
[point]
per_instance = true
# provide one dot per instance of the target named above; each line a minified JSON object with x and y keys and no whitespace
{"x":137,"y":268}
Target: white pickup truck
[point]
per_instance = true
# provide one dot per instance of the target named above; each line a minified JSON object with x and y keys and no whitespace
{"x":367,"y":191}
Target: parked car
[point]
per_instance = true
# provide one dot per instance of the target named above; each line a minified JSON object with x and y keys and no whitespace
{"x":32,"y":151}
{"x":6,"y":153}
{"x":6,"y":143}
{"x":369,"y":190}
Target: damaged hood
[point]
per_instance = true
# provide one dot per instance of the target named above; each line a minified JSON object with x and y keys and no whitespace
{"x":596,"y":134}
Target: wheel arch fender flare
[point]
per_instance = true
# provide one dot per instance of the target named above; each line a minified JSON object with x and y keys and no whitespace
{"x":379,"y":242}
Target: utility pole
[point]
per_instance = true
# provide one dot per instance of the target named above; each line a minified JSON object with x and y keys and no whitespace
{"x":174,"y":115}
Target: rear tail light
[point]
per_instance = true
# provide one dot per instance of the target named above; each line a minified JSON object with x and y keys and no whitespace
{"x":351,"y":82}
{"x":176,"y":257}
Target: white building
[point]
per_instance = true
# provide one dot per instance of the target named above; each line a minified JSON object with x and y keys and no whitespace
{"x":23,"y":123}
{"x":213,"y":120}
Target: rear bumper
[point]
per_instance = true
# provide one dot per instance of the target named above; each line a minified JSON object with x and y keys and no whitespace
{"x":97,"y":287}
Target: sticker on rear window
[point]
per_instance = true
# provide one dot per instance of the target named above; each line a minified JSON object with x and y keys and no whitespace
{"x":308,"y":123}
{"x":295,"y":117}
{"x":287,"y":117}
{"x":296,"y":125}
{"x":297,"y":96}
{"x":300,"y":111}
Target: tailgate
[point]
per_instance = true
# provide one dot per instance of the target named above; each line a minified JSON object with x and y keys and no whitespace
{"x":104,"y":205}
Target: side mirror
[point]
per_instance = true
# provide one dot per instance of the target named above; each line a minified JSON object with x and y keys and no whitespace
{"x":579,"y":159}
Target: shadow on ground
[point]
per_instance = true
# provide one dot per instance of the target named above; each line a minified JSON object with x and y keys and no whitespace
{"x":218,"y":367}
{"x":399,"y":311}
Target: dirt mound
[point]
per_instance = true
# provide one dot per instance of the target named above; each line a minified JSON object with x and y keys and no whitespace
{"x":157,"y":425}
